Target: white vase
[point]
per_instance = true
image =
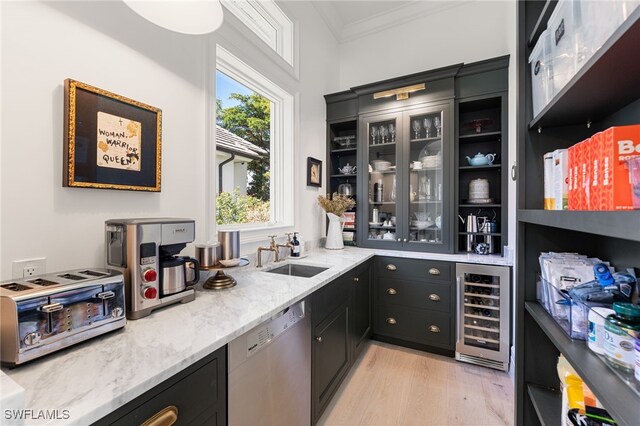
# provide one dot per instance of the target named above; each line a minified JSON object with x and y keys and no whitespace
{"x":334,"y":233}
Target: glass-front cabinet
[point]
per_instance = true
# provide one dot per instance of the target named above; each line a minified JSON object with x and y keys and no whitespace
{"x":408,"y":158}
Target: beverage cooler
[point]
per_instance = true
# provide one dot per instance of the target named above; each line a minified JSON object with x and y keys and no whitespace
{"x":482,"y":335}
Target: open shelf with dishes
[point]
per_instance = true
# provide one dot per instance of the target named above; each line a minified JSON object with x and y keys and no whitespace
{"x":342,"y":169}
{"x":601,"y":94}
{"x":481,"y":145}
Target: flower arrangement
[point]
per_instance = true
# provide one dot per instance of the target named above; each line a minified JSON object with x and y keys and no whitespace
{"x":337,"y":204}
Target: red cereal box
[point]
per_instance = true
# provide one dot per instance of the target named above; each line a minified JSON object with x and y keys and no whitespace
{"x":620,"y":144}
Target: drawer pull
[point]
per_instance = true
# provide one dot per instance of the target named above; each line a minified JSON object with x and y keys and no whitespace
{"x":434,"y":271}
{"x":54,"y":307}
{"x":356,"y":279}
{"x":391,"y":267}
{"x":434,"y":329}
{"x":165,"y":417}
{"x":391,"y":321}
{"x":391,"y":291}
{"x":434,"y":297}
{"x":319,"y":339}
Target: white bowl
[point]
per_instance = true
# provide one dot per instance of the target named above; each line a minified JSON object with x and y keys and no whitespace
{"x":381,"y":165}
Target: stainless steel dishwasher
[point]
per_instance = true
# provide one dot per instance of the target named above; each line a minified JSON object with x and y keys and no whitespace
{"x":270,"y":371}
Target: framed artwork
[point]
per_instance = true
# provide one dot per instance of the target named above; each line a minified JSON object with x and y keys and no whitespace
{"x":314,"y":172}
{"x":110,"y":142}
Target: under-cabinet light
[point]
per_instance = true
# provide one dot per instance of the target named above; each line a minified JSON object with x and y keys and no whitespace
{"x":401,"y":92}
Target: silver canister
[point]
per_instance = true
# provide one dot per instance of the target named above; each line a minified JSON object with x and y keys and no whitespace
{"x":208,"y":254}
{"x":229,"y":247}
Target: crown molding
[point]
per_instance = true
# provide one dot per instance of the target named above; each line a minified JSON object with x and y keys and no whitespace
{"x":382,"y":21}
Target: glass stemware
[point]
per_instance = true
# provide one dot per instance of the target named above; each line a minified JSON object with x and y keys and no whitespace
{"x":383,"y":134}
{"x":374,"y":135}
{"x":438,"y":125}
{"x":427,"y":126}
{"x":416,"y":128}
{"x":392,"y":131}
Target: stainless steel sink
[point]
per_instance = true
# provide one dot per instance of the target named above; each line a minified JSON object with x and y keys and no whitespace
{"x":297,"y":270}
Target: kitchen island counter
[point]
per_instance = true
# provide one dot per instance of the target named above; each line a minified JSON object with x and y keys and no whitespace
{"x":94,"y":378}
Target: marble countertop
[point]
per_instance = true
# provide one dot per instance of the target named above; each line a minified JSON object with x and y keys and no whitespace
{"x":92,"y":379}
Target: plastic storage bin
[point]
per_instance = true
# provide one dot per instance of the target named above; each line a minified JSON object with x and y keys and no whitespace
{"x":541,"y":72}
{"x":599,"y":19}
{"x":565,"y":30}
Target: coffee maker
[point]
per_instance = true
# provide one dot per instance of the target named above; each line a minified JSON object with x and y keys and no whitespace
{"x":146,"y":252}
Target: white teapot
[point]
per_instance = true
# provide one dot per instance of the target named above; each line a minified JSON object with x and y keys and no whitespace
{"x":347,"y":169}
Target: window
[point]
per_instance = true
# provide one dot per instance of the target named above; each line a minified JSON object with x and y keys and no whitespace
{"x":254,"y":148}
{"x":268,"y":22}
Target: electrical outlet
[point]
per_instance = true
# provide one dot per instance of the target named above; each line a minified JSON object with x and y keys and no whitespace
{"x":29,"y":267}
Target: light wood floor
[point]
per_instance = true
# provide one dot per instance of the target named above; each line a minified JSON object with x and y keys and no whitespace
{"x":390,"y":385}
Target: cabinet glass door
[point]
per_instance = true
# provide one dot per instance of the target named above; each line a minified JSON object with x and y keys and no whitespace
{"x":383,"y":135}
{"x":426,"y":179}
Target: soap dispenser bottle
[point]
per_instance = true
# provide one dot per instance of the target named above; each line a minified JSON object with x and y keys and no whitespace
{"x":295,"y":249}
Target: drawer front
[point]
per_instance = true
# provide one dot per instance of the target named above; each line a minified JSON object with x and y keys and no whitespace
{"x":330,"y":297}
{"x":415,"y":269}
{"x":415,"y":325}
{"x":434,"y":296}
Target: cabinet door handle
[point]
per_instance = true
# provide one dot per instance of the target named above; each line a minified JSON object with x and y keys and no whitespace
{"x":434,"y":329}
{"x":391,"y":267}
{"x":434,"y":297}
{"x":319,"y":339}
{"x":106,"y":295}
{"x":356,"y":279}
{"x":165,"y":417}
{"x":391,"y":291}
{"x":434,"y":271}
{"x":391,"y":321}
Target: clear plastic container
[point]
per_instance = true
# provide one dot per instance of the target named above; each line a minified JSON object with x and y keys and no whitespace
{"x":565,"y":30}
{"x":541,"y":72}
{"x":599,"y":19}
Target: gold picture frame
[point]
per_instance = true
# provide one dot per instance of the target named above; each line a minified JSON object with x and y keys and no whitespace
{"x":110,"y":141}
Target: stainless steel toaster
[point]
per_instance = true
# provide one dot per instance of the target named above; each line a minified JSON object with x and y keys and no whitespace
{"x":46,"y":313}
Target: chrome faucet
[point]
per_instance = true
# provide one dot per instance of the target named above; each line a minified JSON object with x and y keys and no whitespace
{"x":272,"y":247}
{"x":285,"y":245}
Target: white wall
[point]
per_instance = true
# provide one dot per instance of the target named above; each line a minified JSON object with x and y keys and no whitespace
{"x":107,"y":45}
{"x":467,"y":32}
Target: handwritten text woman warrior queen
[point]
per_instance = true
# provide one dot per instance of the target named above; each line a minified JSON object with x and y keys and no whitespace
{"x":119,"y":142}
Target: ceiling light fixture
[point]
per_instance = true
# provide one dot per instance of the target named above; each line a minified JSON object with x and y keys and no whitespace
{"x":193,"y":17}
{"x":401,"y":92}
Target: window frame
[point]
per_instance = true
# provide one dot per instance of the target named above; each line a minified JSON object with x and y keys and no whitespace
{"x":263,"y":17}
{"x":281,"y":185}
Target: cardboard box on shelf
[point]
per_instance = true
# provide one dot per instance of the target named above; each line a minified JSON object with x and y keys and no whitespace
{"x":619,"y":144}
{"x":549,"y":200}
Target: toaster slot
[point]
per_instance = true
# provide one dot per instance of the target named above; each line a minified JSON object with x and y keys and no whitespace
{"x":72,"y":277}
{"x":92,"y":273}
{"x":43,"y":282}
{"x":15,"y":287}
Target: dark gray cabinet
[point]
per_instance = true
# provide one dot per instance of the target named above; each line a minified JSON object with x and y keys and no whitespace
{"x":361,"y":310}
{"x":424,"y":136}
{"x":341,"y":320}
{"x":603,"y":93}
{"x":482,"y":128}
{"x":414,"y":304}
{"x":197,"y":395}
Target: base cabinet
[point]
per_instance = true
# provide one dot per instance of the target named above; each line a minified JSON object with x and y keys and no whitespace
{"x":341,"y":320}
{"x":196,"y":395}
{"x":414,"y":303}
